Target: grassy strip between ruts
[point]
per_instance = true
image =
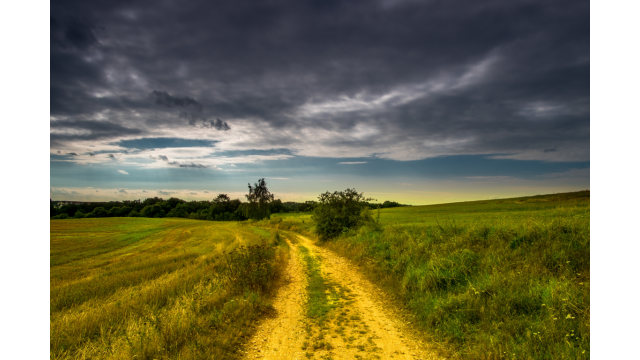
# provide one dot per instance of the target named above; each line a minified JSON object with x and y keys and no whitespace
{"x":321,"y":298}
{"x":331,"y":320}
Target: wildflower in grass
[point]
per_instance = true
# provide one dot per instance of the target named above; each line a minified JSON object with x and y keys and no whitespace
{"x":570,"y":317}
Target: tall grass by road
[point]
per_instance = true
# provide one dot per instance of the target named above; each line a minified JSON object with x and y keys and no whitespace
{"x":497,"y":279}
{"x":502,"y":279}
{"x":124,"y":288}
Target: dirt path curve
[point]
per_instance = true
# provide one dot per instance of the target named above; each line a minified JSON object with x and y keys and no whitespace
{"x":365,"y":328}
{"x":281,"y":337}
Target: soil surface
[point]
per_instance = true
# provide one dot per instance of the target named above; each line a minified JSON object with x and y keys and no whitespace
{"x":360,"y":325}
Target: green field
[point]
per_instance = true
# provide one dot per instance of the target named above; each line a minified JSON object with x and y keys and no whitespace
{"x":498,"y":279}
{"x":149,"y":288}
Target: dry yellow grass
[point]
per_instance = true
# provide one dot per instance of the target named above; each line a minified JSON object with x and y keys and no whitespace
{"x":147,"y":288}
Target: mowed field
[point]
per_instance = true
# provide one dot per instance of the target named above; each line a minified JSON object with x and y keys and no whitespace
{"x":496,"y":279}
{"x":125,"y":287}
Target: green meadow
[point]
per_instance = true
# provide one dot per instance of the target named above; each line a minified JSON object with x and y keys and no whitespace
{"x":496,"y":279}
{"x":152,"y":288}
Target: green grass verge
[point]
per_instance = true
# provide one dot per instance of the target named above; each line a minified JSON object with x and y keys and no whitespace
{"x":503,"y":279}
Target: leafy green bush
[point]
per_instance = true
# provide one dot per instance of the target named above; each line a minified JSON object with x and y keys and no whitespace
{"x":119,"y":211}
{"x":61,"y":216}
{"x":338,"y":212}
{"x":134,"y":213}
{"x":98,"y":212}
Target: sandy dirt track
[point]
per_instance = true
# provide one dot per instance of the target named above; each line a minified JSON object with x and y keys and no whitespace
{"x":361,"y":327}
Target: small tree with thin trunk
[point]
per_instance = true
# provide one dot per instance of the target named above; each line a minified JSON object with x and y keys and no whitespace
{"x":259,"y":199}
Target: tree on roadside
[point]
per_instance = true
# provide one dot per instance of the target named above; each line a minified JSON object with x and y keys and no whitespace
{"x":259,"y":199}
{"x":338,"y":212}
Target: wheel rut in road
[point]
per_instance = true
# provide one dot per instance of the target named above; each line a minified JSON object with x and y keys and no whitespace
{"x":351,"y":320}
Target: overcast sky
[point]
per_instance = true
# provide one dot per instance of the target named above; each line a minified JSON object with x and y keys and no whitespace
{"x":407,"y":100}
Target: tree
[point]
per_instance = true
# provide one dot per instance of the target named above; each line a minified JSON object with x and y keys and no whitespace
{"x":182,"y":211}
{"x":259,"y":198}
{"x":98,"y":212}
{"x":338,"y":212}
{"x":278,"y":207}
{"x":222,"y":198}
{"x":52,"y":209}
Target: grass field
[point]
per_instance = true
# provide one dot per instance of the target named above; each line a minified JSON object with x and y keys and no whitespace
{"x":497,"y":279}
{"x":149,"y":288}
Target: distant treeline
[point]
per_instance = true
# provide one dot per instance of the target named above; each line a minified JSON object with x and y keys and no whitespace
{"x":221,"y":208}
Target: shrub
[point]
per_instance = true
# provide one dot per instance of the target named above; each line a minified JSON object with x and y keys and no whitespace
{"x":338,"y":212}
{"x":119,"y":211}
{"x":61,"y":216}
{"x":250,"y":267}
{"x":134,"y":213}
{"x":98,"y":212}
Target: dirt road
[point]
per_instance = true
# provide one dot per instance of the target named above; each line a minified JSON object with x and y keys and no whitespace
{"x":359,"y":324}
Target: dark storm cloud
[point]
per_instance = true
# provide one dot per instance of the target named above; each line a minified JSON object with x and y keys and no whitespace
{"x":163,"y":98}
{"x":159,"y":157}
{"x":217,"y":124}
{"x":496,"y":77}
{"x":189,"y":109}
{"x":159,"y":143}
{"x":189,"y":165}
{"x":70,"y":32}
{"x":91,"y":130}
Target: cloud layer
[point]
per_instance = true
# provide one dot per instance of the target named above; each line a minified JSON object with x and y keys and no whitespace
{"x":400,"y":80}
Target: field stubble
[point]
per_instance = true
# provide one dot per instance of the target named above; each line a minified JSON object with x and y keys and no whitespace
{"x":151,"y":288}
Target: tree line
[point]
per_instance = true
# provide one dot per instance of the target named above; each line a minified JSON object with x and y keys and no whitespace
{"x":259,"y":205}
